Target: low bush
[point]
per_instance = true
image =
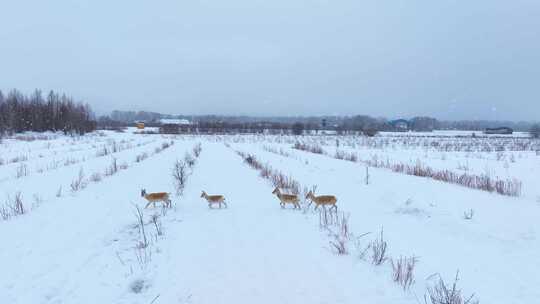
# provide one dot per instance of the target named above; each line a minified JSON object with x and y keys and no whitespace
{"x":378,"y":250}
{"x":352,"y":157}
{"x":180,"y":175}
{"x":79,"y":182}
{"x":197,"y":150}
{"x":96,"y":177}
{"x":509,"y":187}
{"x":403,"y":271}
{"x":309,"y":148}
{"x":21,"y":171}
{"x":443,"y":293}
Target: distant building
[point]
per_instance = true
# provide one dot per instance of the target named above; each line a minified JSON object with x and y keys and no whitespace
{"x":167,"y":121}
{"x":174,"y":126}
{"x":400,"y":125}
{"x":499,"y":131}
{"x":169,"y":129}
{"x":139,"y":125}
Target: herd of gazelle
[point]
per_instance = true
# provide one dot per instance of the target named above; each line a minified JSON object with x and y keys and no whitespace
{"x":320,"y":200}
{"x":284,"y":199}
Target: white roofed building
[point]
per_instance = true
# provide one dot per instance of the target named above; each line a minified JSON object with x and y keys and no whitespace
{"x":167,"y":121}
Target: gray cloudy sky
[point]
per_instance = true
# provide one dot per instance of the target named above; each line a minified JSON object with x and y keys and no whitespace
{"x":449,"y":59}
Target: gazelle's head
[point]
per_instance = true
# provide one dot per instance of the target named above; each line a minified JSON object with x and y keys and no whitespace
{"x":276,"y":191}
{"x":203,"y":194}
{"x":309,"y":194}
{"x":143,"y":192}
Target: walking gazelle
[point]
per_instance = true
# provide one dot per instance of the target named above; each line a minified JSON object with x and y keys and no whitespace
{"x":287,"y":199}
{"x":214,"y":199}
{"x":153,"y":198}
{"x":324,"y":200}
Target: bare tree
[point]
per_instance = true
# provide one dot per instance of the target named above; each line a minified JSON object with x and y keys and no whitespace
{"x":19,"y":113}
{"x":180,"y":174}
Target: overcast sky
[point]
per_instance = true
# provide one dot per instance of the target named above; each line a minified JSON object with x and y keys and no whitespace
{"x":449,"y":59}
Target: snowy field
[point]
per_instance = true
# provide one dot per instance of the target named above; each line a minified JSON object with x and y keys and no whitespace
{"x":70,"y":231}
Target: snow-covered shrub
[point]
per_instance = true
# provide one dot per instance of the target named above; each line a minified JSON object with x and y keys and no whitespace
{"x":165,"y":145}
{"x":378,"y":250}
{"x":283,"y":181}
{"x":510,"y":187}
{"x":197,"y":150}
{"x":443,"y":293}
{"x":37,"y":200}
{"x":137,"y":286}
{"x":189,"y":159}
{"x":139,"y":158}
{"x":16,"y":204}
{"x":352,"y":157}
{"x":21,"y":171}
{"x":157,"y":223}
{"x":19,"y":158}
{"x":340,"y":234}
{"x":403,"y":271}
{"x":112,"y":169}
{"x":179,"y":174}
{"x":277,"y":178}
{"x":79,"y":182}
{"x":102,"y":152}
{"x":309,"y":148}
{"x":12,"y":207}
{"x":123,"y":166}
{"x":276,"y":151}
{"x":70,"y":161}
{"x":5,"y":213}
{"x":143,"y":243}
{"x":96,"y":177}
{"x":468,"y":215}
{"x":327,"y":218}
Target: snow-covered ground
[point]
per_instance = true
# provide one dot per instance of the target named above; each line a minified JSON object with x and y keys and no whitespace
{"x":84,"y":245}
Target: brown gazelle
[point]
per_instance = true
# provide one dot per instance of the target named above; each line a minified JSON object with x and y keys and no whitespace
{"x":214,"y":199}
{"x":324,"y":200}
{"x":286,"y":199}
{"x":153,"y":198}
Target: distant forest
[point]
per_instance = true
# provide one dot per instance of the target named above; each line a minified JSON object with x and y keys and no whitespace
{"x":54,"y":112}
{"x":338,"y":123}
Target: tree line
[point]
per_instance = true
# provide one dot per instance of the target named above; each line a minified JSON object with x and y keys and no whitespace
{"x":357,"y":124}
{"x":54,"y":112}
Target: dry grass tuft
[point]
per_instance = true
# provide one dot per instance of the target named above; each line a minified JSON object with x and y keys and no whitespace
{"x":378,"y":250}
{"x":403,"y":271}
{"x":309,"y":148}
{"x":443,"y":293}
